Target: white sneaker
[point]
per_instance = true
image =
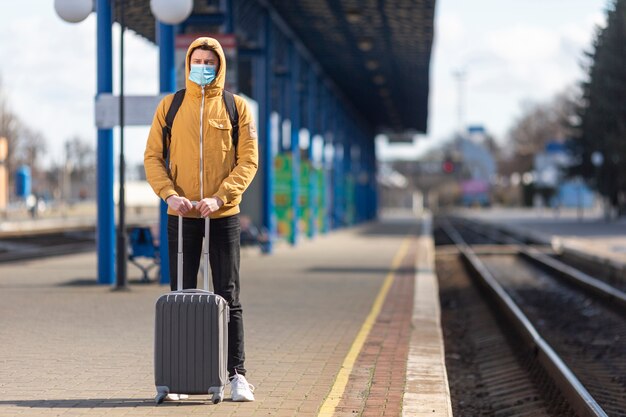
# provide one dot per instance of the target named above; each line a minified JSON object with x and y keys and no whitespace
{"x":240,"y":389}
{"x":176,"y":397}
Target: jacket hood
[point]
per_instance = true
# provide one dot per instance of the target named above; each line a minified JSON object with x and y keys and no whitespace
{"x":220,"y":77}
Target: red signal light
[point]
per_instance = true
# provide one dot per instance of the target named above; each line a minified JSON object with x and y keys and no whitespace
{"x":448,"y":167}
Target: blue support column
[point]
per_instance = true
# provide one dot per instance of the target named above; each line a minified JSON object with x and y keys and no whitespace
{"x":283,"y":90}
{"x":334,"y":173}
{"x":106,"y":206}
{"x":263,"y":83}
{"x":167,"y":84}
{"x":366,"y":168}
{"x":330,"y":164}
{"x":324,"y":116}
{"x":337,"y":175}
{"x":283,"y":107}
{"x":294,"y":84}
{"x":362,"y":205}
{"x":372,"y":183}
{"x":347,"y":171}
{"x":313,"y":130}
{"x":229,"y":21}
{"x":354,"y":169}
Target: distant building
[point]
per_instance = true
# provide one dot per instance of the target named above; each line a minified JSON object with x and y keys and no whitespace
{"x":551,"y":187}
{"x":478,"y":167}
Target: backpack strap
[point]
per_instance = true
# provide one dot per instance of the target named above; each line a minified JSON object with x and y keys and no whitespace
{"x":231,"y":108}
{"x":169,"y":120}
{"x":233,"y":115}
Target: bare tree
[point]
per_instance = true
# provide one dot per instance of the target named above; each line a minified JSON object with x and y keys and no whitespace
{"x":539,"y":124}
{"x":79,"y":170}
{"x":30,"y":147}
{"x":80,"y":154}
{"x":25,"y":145}
{"x":9,"y":128}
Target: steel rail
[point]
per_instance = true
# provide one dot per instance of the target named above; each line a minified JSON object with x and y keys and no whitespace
{"x":578,"y":278}
{"x":567,"y":273}
{"x":572,"y":389}
{"x":42,"y":244}
{"x":46,"y":252}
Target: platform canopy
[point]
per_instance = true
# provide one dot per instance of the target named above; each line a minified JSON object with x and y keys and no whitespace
{"x":377,"y":52}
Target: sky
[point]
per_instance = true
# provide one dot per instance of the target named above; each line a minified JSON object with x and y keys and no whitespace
{"x":511,"y":51}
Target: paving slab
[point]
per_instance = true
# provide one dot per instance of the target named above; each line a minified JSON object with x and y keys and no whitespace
{"x":73,"y":348}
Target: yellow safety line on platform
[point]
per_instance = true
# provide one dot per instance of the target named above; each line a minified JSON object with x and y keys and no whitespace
{"x":336,"y":392}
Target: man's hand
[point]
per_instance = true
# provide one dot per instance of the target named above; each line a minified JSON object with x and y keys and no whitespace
{"x":207,"y":206}
{"x":179,"y":204}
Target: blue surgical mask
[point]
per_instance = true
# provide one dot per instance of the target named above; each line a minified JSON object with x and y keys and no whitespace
{"x":202,"y":74}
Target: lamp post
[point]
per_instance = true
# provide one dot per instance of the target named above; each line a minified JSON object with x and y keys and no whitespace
{"x":597,"y":159}
{"x":122,"y":245}
{"x":171,"y":12}
{"x":75,"y":11}
{"x":167,"y":11}
{"x":461,"y":76}
{"x":166,"y":18}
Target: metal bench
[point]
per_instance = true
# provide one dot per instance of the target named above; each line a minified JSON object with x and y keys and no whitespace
{"x":142,"y":245}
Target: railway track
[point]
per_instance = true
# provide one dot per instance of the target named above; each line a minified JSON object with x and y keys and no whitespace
{"x":40,"y":245}
{"x":574,"y":323}
{"x":491,"y":372}
{"x":600,"y":281}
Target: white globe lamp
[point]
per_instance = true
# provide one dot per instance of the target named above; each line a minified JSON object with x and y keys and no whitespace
{"x":73,"y":11}
{"x":171,"y":12}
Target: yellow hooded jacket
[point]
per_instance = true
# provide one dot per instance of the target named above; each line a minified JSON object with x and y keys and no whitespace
{"x":202,"y":122}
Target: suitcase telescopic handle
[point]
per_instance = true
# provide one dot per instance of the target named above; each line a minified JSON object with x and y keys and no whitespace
{"x":205,"y":250}
{"x":179,"y":263}
{"x":196,"y":291}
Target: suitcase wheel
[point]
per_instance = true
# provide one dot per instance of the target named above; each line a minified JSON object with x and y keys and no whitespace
{"x":161,"y":394}
{"x":217,"y":398}
{"x":160,"y":397}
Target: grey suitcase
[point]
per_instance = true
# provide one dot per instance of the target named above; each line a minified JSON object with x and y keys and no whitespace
{"x":191,"y":336}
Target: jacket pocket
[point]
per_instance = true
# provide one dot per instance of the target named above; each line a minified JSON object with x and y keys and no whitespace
{"x":219,"y":134}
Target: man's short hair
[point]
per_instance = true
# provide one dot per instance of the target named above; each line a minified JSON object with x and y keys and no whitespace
{"x":204,"y":47}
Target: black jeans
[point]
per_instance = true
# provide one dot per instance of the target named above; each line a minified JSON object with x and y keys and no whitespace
{"x":224,"y":259}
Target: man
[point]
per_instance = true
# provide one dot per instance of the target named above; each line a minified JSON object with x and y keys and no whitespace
{"x":206,"y":166}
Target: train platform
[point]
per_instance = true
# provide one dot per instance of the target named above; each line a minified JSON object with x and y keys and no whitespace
{"x":345,"y":324}
{"x":70,"y":217}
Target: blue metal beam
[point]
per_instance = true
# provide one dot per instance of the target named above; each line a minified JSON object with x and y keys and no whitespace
{"x":250,"y":52}
{"x":106,"y":218}
{"x":213,"y":19}
{"x":336,"y":130}
{"x":284,"y":28}
{"x":276,"y":87}
{"x":263,"y":82}
{"x":167,"y":84}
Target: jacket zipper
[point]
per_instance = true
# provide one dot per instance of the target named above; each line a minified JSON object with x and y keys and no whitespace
{"x":201,"y":151}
